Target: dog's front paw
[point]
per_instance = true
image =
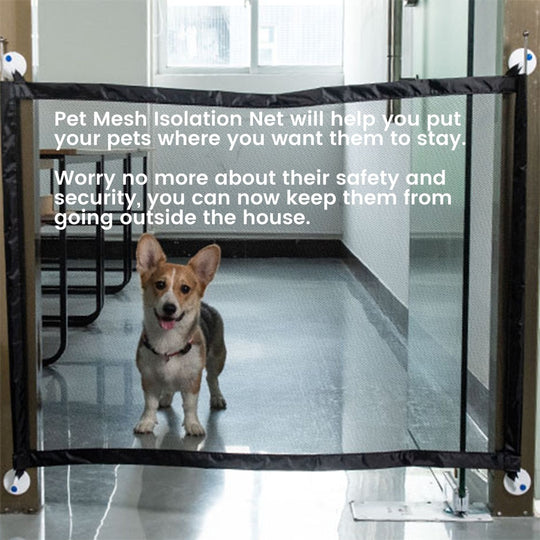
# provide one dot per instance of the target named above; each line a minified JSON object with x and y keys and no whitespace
{"x":145,"y":426}
{"x":218,"y":403}
{"x":194,"y":428}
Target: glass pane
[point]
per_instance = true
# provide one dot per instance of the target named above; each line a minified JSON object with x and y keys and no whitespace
{"x":435,"y":287}
{"x":484,"y":272}
{"x":205,"y":35}
{"x":306,"y":32}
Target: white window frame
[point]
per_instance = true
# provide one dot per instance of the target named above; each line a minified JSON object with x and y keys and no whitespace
{"x":252,"y":78}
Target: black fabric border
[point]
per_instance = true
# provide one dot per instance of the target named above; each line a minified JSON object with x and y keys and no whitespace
{"x":267,"y":462}
{"x":414,"y":88}
{"x":24,"y":457}
{"x":515,"y":334}
{"x":14,"y":257}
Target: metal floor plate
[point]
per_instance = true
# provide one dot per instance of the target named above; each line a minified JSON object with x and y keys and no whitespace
{"x":436,"y":511}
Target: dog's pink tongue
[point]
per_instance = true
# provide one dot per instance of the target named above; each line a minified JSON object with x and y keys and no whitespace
{"x":166,"y":325}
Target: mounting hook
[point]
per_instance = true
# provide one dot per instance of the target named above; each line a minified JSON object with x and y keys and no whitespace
{"x":525,"y":50}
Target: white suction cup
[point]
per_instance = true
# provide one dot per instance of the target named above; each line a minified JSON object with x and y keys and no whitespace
{"x":517,"y":58}
{"x":13,"y":61}
{"x":14,"y":485}
{"x":520,"y":485}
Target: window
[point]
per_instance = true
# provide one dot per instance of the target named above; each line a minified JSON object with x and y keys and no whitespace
{"x":249,"y":35}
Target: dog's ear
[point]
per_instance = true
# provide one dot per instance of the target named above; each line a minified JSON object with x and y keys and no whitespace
{"x":149,"y":253}
{"x":205,"y":264}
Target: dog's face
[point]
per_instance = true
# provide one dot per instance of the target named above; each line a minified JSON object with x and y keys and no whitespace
{"x":173,"y":291}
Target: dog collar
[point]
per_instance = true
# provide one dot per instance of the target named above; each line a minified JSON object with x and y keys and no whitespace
{"x":183,"y":351}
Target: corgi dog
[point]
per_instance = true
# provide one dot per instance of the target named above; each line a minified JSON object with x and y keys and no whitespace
{"x":181,"y":334}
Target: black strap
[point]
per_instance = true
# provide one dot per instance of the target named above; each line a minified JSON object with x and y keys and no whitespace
{"x":183,"y":351}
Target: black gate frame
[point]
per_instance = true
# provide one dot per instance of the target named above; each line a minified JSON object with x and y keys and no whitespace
{"x":507,"y":457}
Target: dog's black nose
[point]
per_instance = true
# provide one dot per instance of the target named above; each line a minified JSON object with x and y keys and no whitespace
{"x":169,"y":309}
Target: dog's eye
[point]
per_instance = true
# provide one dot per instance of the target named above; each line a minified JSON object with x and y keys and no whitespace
{"x":185,"y":289}
{"x":160,"y":284}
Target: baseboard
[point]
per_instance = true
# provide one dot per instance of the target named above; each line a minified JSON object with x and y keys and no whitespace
{"x":84,"y":248}
{"x":386,"y":300}
{"x":436,"y":245}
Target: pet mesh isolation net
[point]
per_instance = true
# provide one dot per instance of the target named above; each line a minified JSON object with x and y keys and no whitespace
{"x":350,"y":351}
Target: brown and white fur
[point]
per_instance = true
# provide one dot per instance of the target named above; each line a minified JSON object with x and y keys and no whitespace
{"x":181,"y":335}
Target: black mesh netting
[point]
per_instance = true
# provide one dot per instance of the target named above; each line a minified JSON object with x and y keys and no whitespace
{"x":344,"y":357}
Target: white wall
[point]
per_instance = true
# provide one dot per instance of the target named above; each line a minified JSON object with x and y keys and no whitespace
{"x":102,"y":41}
{"x":377,"y":235}
{"x":253,"y":160}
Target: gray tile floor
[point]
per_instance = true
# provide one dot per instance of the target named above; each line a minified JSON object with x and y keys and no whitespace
{"x":313,"y":367}
{"x":305,"y":337}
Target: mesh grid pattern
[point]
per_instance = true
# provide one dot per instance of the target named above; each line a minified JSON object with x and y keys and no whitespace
{"x":336,"y":381}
